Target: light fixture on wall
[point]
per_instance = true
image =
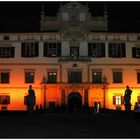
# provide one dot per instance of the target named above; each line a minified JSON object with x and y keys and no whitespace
{"x":104,"y":82}
{"x":44,"y":82}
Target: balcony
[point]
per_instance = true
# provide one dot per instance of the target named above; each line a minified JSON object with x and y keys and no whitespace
{"x":74,"y":58}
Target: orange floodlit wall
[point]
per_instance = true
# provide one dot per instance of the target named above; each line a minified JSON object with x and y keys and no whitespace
{"x":53,"y":94}
{"x":120,"y":92}
{"x":17,"y":97}
{"x":96,"y":94}
{"x":17,"y":88}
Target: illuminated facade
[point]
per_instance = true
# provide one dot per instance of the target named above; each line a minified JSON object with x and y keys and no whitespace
{"x":73,"y":65}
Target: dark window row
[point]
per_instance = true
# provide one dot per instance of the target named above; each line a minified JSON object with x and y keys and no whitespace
{"x":96,"y":50}
{"x":115,"y":50}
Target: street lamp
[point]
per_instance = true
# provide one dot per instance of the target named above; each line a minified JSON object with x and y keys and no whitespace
{"x":44,"y":82}
{"x":104,"y":81}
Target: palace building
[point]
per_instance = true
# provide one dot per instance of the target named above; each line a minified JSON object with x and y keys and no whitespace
{"x":73,"y":61}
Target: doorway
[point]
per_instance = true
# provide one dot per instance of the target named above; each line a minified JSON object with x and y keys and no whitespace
{"x":74,"y":102}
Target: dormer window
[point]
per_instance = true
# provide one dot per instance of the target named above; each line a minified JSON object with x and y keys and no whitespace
{"x":82,"y":16}
{"x":65,"y":16}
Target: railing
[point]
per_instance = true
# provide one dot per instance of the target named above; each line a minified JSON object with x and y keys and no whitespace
{"x":74,"y":58}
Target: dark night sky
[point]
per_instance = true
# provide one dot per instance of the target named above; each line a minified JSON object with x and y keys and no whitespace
{"x":25,"y":16}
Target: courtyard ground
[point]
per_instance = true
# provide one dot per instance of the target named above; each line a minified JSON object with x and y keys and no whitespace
{"x":69,"y":125}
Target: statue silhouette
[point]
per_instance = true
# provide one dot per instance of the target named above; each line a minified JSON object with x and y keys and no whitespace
{"x":127,"y":98}
{"x":30,"y":100}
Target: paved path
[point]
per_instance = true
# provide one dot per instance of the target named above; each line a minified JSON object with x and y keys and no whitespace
{"x":104,"y":125}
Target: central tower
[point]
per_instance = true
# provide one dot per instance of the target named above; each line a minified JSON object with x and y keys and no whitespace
{"x":73,"y":14}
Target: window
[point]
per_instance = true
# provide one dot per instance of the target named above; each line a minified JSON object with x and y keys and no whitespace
{"x":74,"y":77}
{"x":6,"y":38}
{"x":138,"y":77}
{"x":7,"y":52}
{"x":4,"y":77}
{"x":138,"y":37}
{"x":96,"y":49}
{"x":138,"y":98}
{"x":52,"y":77}
{"x":52,"y":49}
{"x":97,"y":77}
{"x":117,"y":77}
{"x":65,"y":16}
{"x":118,"y":100}
{"x":29,"y":49}
{"x":29,"y":77}
{"x":116,"y":37}
{"x":74,"y":17}
{"x":82,"y":16}
{"x":4,"y":99}
{"x":74,"y":51}
{"x":117,"y":50}
{"x":136,"y":52}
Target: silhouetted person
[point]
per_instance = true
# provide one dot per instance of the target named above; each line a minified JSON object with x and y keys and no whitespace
{"x":136,"y":106}
{"x":37,"y":109}
{"x":127,"y":98}
{"x":30,"y":100}
{"x":137,"y":111}
{"x":41,"y":108}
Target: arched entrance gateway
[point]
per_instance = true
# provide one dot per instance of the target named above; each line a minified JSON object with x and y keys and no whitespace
{"x":74,"y":102}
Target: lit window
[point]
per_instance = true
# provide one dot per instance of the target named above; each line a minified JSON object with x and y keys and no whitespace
{"x":97,"y":77}
{"x":29,"y":77}
{"x":52,"y":77}
{"x":118,"y":100}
